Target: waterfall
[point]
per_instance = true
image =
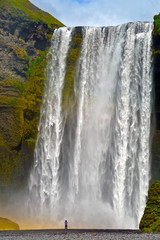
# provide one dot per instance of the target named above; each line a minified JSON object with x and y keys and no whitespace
{"x":92,"y":155}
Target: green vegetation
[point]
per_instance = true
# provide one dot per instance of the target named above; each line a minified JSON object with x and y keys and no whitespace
{"x":20,"y":97}
{"x":72,"y":60}
{"x":156,"y":24}
{"x":150,"y":221}
{"x":9,"y":170}
{"x":19,"y":8}
{"x":23,"y":116}
{"x":31,"y":140}
{"x":30,"y":93}
{"x":18,"y":51}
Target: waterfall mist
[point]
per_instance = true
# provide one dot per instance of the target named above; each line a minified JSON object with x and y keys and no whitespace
{"x":92,"y":155}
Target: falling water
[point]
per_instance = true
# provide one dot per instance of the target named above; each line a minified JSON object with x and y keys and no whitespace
{"x":92,"y":155}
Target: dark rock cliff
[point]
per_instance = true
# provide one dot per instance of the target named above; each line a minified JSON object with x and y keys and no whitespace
{"x":25,"y":34}
{"x":150,"y":221}
{"x":156,"y":76}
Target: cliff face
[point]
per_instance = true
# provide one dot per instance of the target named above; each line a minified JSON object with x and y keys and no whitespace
{"x":150,"y":221}
{"x":156,"y":77}
{"x":25,"y":34}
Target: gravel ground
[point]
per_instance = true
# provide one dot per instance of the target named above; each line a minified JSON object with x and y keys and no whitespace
{"x":76,"y":235}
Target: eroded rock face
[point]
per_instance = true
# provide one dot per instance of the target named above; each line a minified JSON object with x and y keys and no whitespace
{"x":24,"y":41}
{"x":20,"y":40}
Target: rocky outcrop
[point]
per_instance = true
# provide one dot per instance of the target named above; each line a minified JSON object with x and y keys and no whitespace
{"x":25,"y":34}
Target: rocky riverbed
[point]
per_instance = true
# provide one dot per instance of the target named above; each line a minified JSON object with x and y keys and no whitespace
{"x":76,"y":235}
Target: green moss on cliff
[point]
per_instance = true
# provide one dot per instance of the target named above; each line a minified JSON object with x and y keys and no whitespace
{"x":18,"y":51}
{"x":20,"y":97}
{"x":72,"y":60}
{"x":9,"y":169}
{"x":32,"y":94}
{"x":19,"y":119}
{"x":17,"y":8}
{"x":156,"y":24}
{"x":21,"y":116}
{"x":150,"y":221}
{"x":11,"y":134}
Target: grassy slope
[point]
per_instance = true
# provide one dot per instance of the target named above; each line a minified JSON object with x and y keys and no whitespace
{"x":20,"y":7}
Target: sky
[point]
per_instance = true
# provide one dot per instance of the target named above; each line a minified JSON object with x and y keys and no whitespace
{"x":99,"y":12}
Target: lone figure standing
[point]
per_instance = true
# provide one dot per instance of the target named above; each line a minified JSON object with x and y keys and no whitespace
{"x":66,"y":224}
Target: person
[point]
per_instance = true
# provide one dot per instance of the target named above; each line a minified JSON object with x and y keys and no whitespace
{"x":66,"y":224}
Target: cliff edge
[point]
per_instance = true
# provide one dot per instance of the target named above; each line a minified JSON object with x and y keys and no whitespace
{"x":25,"y":34}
